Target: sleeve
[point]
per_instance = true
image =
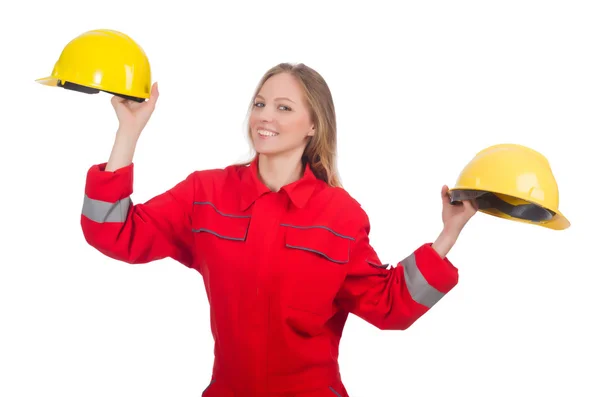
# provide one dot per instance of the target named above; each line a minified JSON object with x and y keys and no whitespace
{"x":393,"y":298}
{"x":136,"y":233}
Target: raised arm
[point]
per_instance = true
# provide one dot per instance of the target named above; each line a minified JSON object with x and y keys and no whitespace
{"x":136,"y":233}
{"x":110,"y":221}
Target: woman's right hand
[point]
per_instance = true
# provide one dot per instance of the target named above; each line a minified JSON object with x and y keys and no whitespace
{"x":134,"y":116}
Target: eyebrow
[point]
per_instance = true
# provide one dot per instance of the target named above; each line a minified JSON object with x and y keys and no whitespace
{"x":277,"y":99}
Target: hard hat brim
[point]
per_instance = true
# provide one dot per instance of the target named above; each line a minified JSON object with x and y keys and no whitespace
{"x":50,"y":81}
{"x":90,"y":88}
{"x":557,"y":222}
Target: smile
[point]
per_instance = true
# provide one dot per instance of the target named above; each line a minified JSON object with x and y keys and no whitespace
{"x":266,"y":133}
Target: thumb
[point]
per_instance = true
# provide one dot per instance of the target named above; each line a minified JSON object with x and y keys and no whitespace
{"x":153,"y":95}
{"x":445,"y":195}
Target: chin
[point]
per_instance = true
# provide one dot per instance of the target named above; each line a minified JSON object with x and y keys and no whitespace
{"x":263,"y":147}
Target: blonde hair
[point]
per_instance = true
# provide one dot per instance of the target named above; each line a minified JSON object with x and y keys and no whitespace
{"x":321,"y":151}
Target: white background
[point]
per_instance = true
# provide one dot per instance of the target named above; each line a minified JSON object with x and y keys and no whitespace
{"x":419,"y":88}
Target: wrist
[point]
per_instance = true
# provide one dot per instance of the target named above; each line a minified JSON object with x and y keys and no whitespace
{"x":122,"y":151}
{"x":450,"y":232}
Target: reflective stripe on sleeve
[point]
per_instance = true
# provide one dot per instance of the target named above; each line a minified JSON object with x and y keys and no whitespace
{"x":417,"y":285}
{"x":104,"y":211}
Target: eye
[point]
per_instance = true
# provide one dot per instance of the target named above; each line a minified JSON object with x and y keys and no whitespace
{"x":286,"y":108}
{"x":259,"y":104}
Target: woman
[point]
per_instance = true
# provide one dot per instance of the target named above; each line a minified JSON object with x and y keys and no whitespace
{"x":283,"y":250}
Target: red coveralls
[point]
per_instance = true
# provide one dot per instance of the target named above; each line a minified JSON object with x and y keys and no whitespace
{"x":282,"y":270}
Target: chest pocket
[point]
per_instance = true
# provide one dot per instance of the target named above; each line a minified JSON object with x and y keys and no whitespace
{"x":219,"y":236}
{"x":208,"y":219}
{"x":314,"y":270}
{"x":320,"y":240}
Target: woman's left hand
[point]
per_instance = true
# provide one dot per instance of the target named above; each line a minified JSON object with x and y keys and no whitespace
{"x":455,"y":217}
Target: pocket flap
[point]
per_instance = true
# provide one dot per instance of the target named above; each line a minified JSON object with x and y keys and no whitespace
{"x":208,"y":219}
{"x":320,"y":240}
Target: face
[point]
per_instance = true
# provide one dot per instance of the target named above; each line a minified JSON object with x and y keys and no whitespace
{"x":280,"y":118}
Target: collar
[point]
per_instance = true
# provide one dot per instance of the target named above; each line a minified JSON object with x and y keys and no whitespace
{"x":299,"y":191}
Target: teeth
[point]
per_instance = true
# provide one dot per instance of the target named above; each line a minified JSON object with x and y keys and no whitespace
{"x":267,"y":133}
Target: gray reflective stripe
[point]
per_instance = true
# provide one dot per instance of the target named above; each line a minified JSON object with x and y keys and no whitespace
{"x":418,"y":287}
{"x":104,"y":211}
{"x":335,"y":392}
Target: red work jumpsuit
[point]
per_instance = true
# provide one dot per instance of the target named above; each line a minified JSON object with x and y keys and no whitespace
{"x":282,"y":270}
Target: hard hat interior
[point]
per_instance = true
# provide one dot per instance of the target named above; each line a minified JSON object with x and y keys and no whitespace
{"x":490,"y":201}
{"x":90,"y":90}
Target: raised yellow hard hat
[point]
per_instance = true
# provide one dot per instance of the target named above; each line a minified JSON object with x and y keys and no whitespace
{"x":103,"y":60}
{"x":513,"y":182}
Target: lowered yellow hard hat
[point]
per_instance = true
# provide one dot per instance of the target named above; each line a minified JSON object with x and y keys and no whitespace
{"x":103,"y":60}
{"x":513,"y":182}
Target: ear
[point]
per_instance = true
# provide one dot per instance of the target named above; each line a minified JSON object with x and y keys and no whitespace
{"x":311,"y":132}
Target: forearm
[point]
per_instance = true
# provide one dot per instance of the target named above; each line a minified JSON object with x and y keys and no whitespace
{"x":122,"y":151}
{"x":139,"y":233}
{"x":444,"y":243}
{"x":397,"y":297}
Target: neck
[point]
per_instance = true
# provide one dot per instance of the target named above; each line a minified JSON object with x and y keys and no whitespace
{"x":278,"y":171}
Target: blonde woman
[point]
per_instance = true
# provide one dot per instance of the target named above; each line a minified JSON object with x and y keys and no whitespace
{"x":283,"y":249}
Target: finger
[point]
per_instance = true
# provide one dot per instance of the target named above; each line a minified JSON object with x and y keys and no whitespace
{"x":470,"y":206}
{"x":118,"y":101}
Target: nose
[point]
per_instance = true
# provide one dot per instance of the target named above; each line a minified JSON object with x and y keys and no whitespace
{"x":266,"y":114}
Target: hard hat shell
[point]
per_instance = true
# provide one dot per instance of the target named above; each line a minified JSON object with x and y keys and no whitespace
{"x":103,"y":60}
{"x":513,"y":182}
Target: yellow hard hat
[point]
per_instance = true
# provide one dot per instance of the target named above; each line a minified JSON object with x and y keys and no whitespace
{"x":513,"y":182}
{"x":103,"y":60}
